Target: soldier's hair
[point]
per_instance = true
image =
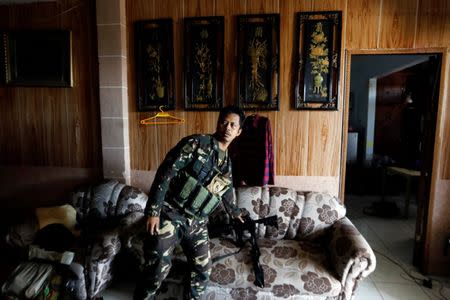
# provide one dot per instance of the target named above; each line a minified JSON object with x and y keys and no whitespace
{"x":232,"y":109}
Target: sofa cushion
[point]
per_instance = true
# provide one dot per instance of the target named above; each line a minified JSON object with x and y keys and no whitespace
{"x":98,"y":201}
{"x":287,"y":264}
{"x":283,"y":203}
{"x":321,"y":211}
{"x":130,"y":200}
{"x":107,"y":200}
{"x":296,"y":215}
{"x":255,"y":201}
{"x":261,"y":202}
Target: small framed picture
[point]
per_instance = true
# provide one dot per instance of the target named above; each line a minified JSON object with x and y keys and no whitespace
{"x":316,"y":64}
{"x":258,"y":39}
{"x":37,"y":58}
{"x":154,"y":64}
{"x":203,"y":63}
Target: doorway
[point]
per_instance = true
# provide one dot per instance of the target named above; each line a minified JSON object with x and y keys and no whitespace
{"x":389,"y":130}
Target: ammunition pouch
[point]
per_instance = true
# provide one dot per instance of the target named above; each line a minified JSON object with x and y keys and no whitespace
{"x":193,"y":198}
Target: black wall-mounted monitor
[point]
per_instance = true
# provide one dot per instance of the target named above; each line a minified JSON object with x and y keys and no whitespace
{"x":37,"y":58}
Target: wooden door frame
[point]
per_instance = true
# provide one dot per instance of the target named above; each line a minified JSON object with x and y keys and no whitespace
{"x":438,"y":131}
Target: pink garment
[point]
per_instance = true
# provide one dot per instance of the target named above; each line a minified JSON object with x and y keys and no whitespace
{"x":252,"y":153}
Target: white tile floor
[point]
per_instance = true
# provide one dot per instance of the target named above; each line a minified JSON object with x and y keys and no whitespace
{"x":390,"y":237}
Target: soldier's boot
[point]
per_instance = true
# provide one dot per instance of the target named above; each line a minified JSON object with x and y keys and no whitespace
{"x":142,"y":293}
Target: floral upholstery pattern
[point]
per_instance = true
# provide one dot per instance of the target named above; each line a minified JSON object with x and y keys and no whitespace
{"x":284,"y":262}
{"x":320,"y":212}
{"x":350,"y":254}
{"x":295,"y":263}
{"x":283,"y":203}
{"x":118,"y":210}
{"x":251,"y":200}
{"x":106,"y":200}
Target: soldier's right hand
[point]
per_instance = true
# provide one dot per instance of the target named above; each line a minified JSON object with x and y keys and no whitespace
{"x":153,"y":225}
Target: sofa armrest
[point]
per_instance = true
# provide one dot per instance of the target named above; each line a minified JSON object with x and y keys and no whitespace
{"x":131,"y":225}
{"x":100,"y":254}
{"x":350,"y":255}
{"x":105,"y":245}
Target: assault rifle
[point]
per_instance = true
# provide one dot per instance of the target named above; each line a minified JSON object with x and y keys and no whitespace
{"x":239,"y":228}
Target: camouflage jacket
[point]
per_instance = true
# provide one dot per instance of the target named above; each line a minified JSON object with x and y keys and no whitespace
{"x":198,"y":156}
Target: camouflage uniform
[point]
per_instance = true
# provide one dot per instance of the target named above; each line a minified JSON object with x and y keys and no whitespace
{"x":198,"y":156}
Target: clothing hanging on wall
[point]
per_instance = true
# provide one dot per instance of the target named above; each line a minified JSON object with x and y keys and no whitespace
{"x":252,"y":153}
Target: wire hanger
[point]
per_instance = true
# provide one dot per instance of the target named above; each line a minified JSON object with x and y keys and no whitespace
{"x":251,"y":113}
{"x":162,"y":117}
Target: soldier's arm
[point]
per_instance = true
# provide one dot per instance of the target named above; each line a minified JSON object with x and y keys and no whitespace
{"x":177,"y":158}
{"x":228,"y":201}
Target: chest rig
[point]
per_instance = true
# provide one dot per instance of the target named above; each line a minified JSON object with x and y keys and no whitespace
{"x":200,"y":186}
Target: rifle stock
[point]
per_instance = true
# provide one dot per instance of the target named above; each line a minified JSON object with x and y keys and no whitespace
{"x":248,"y":225}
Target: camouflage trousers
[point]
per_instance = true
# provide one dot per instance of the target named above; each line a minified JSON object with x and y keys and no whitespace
{"x":175,"y":230}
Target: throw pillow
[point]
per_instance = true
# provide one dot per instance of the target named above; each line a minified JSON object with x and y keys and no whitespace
{"x":321,"y":211}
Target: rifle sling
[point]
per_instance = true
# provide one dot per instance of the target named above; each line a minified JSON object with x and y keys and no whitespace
{"x":220,"y":257}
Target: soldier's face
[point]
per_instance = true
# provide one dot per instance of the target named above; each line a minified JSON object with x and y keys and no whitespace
{"x":228,"y":128}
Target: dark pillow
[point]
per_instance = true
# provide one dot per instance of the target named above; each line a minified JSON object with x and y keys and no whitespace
{"x":55,"y":237}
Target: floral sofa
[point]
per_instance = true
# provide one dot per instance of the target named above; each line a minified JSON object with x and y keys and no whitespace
{"x":110,"y":212}
{"x":316,"y":252}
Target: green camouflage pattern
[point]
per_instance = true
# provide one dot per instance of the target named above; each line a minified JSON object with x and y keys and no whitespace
{"x":197,"y":155}
{"x":192,"y":235}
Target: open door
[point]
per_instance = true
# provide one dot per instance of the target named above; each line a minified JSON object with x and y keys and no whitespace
{"x":422,"y":117}
{"x":427,"y":129}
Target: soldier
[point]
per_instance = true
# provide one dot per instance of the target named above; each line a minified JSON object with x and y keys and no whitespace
{"x":189,"y":184}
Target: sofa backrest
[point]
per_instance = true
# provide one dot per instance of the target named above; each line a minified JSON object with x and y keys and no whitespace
{"x":300,"y":214}
{"x":107,"y":200}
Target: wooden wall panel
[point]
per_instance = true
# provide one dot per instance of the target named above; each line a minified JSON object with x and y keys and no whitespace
{"x":32,"y":128}
{"x":176,"y":132}
{"x":292,"y":126}
{"x":146,"y":153}
{"x":433,"y":24}
{"x":229,"y":9}
{"x":141,"y":10}
{"x":54,"y":126}
{"x":149,"y":144}
{"x":313,"y":138}
{"x":323,"y":5}
{"x":446,"y":135}
{"x":362,"y":23}
{"x":397,"y":23}
{"x":324,"y":138}
{"x":196,"y":8}
{"x":263,"y":6}
{"x":7,"y":130}
{"x":55,"y":118}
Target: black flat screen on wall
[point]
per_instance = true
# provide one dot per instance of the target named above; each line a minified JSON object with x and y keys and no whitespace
{"x":37,"y":58}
